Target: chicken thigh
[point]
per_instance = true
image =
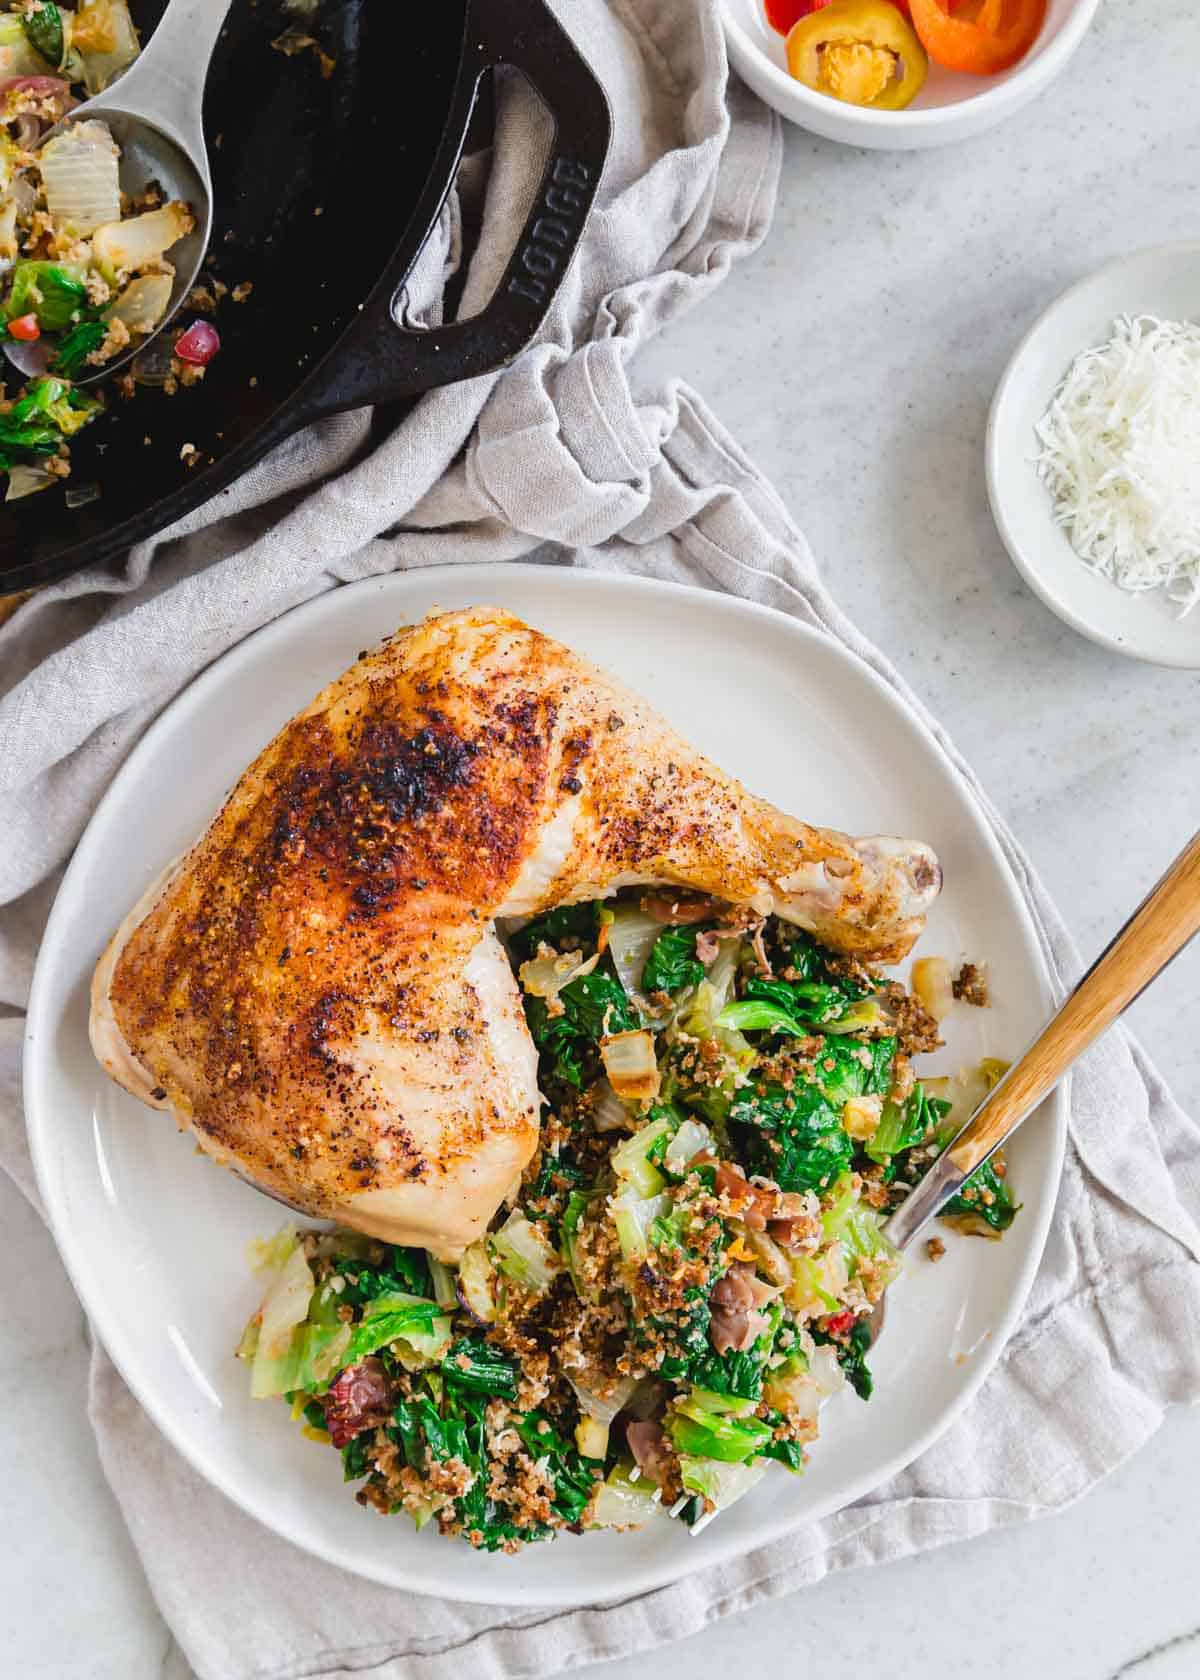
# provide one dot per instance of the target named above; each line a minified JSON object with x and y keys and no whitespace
{"x":317,"y":989}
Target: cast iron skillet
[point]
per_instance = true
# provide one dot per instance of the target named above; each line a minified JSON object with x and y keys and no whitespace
{"x":374,"y":149}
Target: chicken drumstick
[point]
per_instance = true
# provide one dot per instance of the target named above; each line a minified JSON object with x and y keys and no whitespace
{"x":317,"y":989}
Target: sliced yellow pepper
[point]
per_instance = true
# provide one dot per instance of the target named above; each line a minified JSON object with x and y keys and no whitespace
{"x":864,"y":52}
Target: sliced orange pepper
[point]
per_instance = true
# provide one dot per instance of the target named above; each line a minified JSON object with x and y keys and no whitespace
{"x":993,"y":40}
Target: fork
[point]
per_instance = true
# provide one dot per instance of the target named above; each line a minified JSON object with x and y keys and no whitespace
{"x":1157,"y":931}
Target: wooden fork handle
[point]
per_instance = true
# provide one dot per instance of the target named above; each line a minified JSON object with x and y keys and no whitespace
{"x":1156,"y":932}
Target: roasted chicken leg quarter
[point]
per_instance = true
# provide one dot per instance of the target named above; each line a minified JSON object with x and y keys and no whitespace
{"x":317,"y":989}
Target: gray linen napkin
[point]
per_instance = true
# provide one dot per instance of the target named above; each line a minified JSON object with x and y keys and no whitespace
{"x":561,"y":464}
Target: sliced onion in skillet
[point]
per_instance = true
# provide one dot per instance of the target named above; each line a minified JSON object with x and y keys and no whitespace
{"x":143,"y":303}
{"x":79,"y":175}
{"x":31,"y":359}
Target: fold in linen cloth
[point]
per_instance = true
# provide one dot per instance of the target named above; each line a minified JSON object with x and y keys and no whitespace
{"x":557,"y":461}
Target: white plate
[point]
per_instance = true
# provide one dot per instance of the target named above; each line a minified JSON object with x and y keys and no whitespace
{"x":951,"y":106}
{"x":155,"y":1237}
{"x":1164,"y":281}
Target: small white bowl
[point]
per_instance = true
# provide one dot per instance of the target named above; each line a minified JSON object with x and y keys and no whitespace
{"x":951,"y":105}
{"x":1163,"y":281}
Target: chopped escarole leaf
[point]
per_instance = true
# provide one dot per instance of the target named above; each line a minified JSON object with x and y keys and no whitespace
{"x":758,"y":1015}
{"x":691,"y":1139}
{"x":67,"y":409}
{"x":633,"y":1159}
{"x":566,"y":925}
{"x":596,"y":1413}
{"x":795,"y":1135}
{"x":621,"y":1502}
{"x":818,"y":1283}
{"x":305,"y":1355}
{"x":904,"y":1125}
{"x":445,"y":1292}
{"x":572,"y":1477}
{"x":476,"y":1283}
{"x":702,"y":1429}
{"x":284,"y":1307}
{"x":523,"y":1252}
{"x":720,"y":977}
{"x":984,"y":1206}
{"x":718,"y":1482}
{"x":578,"y":1203}
{"x":633,"y":1217}
{"x":956,"y":1099}
{"x":105,"y":39}
{"x":18,"y":55}
{"x":859,"y":1229}
{"x":35,"y":428}
{"x":46,"y":32}
{"x":588,"y":1008}
{"x":76,"y":346}
{"x":866,"y":1016}
{"x":479,"y":1368}
{"x":416,"y":1329}
{"x":673,"y":963}
{"x":631,"y":936}
{"x":52,"y":291}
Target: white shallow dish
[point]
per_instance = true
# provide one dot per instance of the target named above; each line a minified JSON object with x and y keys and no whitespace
{"x":951,"y":106}
{"x":1163,"y":281}
{"x":155,"y":1237}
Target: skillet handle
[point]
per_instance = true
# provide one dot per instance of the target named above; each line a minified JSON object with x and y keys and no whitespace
{"x":379,"y":359}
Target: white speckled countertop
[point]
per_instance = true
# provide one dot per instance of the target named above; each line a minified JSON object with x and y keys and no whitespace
{"x":854,"y":357}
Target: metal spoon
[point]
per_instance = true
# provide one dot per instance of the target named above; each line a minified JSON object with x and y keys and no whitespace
{"x":1156,"y":932}
{"x":155,"y":113}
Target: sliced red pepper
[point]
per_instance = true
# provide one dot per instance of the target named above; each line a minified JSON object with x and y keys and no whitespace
{"x":839,"y":1324}
{"x":26,"y":328}
{"x":1001,"y":33}
{"x":782,"y":14}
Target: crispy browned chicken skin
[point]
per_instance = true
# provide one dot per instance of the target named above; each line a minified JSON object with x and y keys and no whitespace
{"x":317,"y":989}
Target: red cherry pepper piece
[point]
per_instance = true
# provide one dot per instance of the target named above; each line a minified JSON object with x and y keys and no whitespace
{"x":199,"y":344}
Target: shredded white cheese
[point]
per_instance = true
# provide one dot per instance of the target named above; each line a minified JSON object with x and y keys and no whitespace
{"x":1120,"y":454}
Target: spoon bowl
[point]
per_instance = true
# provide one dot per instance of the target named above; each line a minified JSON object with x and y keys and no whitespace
{"x":148,"y":155}
{"x":154,"y":112}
